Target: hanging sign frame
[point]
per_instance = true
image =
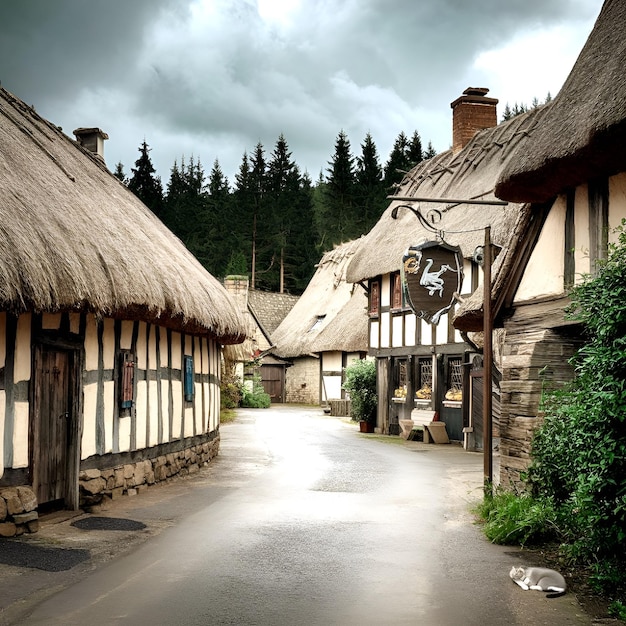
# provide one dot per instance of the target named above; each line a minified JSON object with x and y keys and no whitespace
{"x":432,"y":276}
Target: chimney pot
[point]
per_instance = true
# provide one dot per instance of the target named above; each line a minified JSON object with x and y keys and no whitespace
{"x":92,"y":139}
{"x":472,"y":112}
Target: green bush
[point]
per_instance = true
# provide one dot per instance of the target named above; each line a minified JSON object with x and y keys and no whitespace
{"x":579,"y":452}
{"x":256,"y":397}
{"x":360,"y":383}
{"x":230,"y":390}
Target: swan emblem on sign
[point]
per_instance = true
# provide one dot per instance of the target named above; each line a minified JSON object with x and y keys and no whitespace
{"x":432,"y":281}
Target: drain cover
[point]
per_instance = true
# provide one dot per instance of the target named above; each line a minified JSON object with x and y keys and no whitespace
{"x":108,"y":523}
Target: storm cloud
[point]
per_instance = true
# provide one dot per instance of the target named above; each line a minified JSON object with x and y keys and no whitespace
{"x":212,"y":78}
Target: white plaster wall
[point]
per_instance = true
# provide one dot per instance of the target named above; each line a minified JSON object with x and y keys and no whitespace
{"x":108,"y":344}
{"x":126,"y":335}
{"x":109,"y":404}
{"x":142,"y":346}
{"x":332,"y":361}
{"x":441,"y":330}
{"x":124,"y":433}
{"x":22,"y":349}
{"x":20,"y":435}
{"x":176,"y":351}
{"x":543,"y":276}
{"x":582,"y":263}
{"x":165,"y":399}
{"x":91,"y":344}
{"x":397,"y":335}
{"x":331,"y":389}
{"x":51,"y":321}
{"x":188,"y":422}
{"x":426,"y":333}
{"x":75,"y":323}
{"x":385,"y":291}
{"x":177,"y":390}
{"x":374,"y":329}
{"x":141,"y":407}
{"x":154,"y":413}
{"x":410,"y":328}
{"x":384,"y":329}
{"x":466,"y":285}
{"x":88,"y":443}
{"x":617,"y":203}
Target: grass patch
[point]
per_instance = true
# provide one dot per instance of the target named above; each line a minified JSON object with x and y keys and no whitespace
{"x":516,"y":519}
{"x":227,"y":416}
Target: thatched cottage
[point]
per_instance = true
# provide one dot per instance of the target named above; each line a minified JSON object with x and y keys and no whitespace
{"x":110,"y":331}
{"x":570,"y":171}
{"x":324,"y":332}
{"x":425,"y":370}
{"x":264,"y":311}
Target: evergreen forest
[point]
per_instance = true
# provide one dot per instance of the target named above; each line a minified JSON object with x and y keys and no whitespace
{"x":272,"y":222}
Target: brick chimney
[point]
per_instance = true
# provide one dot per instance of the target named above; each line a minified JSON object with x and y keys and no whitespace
{"x":92,"y":139}
{"x":472,"y":112}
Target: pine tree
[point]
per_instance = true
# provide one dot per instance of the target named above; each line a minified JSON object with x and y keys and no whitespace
{"x":219,"y":236}
{"x":258,"y":186}
{"x":144,"y":183}
{"x":119,"y":173}
{"x":414,"y":152}
{"x":339,"y":216}
{"x":398,"y":163}
{"x":430,"y":151}
{"x":370,"y":190}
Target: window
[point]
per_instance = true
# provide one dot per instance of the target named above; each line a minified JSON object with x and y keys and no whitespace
{"x":455,"y":379}
{"x":374,"y":298}
{"x":317,"y":323}
{"x":396,"y":296}
{"x":424,"y":380}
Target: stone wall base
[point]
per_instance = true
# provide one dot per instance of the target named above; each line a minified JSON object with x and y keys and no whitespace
{"x":18,"y":514}
{"x":18,"y":505}
{"x":98,"y":485}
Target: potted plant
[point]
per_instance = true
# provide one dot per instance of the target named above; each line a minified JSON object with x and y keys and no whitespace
{"x":360,"y":383}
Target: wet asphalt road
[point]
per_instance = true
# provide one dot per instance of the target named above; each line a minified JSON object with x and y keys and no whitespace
{"x":303,"y":521}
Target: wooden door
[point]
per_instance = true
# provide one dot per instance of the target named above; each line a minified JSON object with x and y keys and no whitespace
{"x":272,"y":379}
{"x":52,"y":424}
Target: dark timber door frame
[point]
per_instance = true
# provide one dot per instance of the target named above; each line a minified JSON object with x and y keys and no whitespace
{"x":55,"y":424}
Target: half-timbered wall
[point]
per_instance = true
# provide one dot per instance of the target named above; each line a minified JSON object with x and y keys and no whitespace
{"x":160,"y":418}
{"x":333,"y":365}
{"x":403,"y":340}
{"x":539,"y":340}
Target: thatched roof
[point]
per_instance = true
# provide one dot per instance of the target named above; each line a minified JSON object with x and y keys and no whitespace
{"x":583,"y":132}
{"x":330,"y":315}
{"x":76,"y":239}
{"x":469,"y":174}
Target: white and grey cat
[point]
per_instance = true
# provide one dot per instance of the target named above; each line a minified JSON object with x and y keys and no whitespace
{"x":540,"y":579}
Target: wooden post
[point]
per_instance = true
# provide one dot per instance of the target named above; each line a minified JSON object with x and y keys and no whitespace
{"x":487,"y":365}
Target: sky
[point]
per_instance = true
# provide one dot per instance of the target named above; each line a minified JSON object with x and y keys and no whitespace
{"x":210,"y":79}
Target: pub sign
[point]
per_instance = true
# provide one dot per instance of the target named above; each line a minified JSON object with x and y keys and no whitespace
{"x":432,"y":273}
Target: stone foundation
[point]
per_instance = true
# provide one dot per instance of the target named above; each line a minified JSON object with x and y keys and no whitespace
{"x":97,"y":484}
{"x":18,"y":514}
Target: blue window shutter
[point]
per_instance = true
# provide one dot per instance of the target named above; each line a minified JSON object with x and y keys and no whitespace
{"x":189,"y":386}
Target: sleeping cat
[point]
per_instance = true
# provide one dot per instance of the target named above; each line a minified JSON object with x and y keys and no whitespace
{"x":539,"y":578}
